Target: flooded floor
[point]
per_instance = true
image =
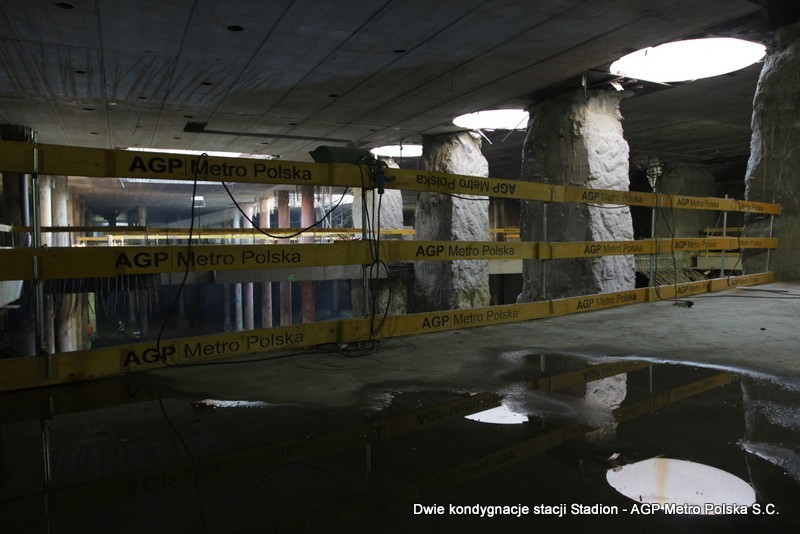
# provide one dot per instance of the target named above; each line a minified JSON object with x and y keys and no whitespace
{"x":140,"y":454}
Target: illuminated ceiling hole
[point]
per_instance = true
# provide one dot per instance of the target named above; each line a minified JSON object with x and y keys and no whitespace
{"x":694,"y":59}
{"x":696,"y":486}
{"x":501,"y":415}
{"x":495,"y":119}
{"x":398,"y":151}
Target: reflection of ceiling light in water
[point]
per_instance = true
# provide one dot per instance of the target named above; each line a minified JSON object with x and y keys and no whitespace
{"x":495,"y":119}
{"x":398,"y":151}
{"x":694,"y":488}
{"x":688,"y":60}
{"x":500,"y":415}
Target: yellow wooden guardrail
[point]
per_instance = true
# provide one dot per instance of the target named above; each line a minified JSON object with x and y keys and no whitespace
{"x":97,"y":162}
{"x":20,"y":373}
{"x":68,"y":262}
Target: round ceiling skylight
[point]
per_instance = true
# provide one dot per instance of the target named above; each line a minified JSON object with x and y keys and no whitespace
{"x":398,"y":151}
{"x":495,"y":119}
{"x":688,"y":60}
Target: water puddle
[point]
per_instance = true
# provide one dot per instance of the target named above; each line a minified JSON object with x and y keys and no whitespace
{"x":120,"y":456}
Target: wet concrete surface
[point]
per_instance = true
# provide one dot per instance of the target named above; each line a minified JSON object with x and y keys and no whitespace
{"x":321,"y":442}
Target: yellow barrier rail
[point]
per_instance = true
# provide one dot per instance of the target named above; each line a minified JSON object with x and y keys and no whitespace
{"x":78,"y":262}
{"x":21,"y":373}
{"x":97,"y":162}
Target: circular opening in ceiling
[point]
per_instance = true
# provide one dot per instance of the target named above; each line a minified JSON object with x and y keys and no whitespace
{"x":78,"y":71}
{"x":399,"y":50}
{"x":65,"y":5}
{"x":94,"y":133}
{"x":398,"y":151}
{"x":500,"y":415}
{"x":333,"y":95}
{"x":693,"y":59}
{"x":205,"y":83}
{"x":495,"y":119}
{"x":235,"y":28}
{"x":697,"y":488}
{"x":88,"y":109}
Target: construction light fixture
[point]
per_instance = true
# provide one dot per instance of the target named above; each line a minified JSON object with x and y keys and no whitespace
{"x":697,"y":488}
{"x":198,"y":201}
{"x":495,"y":119}
{"x":693,"y":59}
{"x":398,"y":151}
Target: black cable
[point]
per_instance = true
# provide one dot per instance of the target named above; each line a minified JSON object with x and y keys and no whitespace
{"x":189,"y":262}
{"x":260,"y":230}
{"x":479,"y":199}
{"x":163,"y":358}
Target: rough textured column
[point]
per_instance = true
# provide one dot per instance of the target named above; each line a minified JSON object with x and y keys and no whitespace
{"x":576,"y":139}
{"x":264,"y":208}
{"x":284,"y":221}
{"x":237,"y":287}
{"x":386,"y":292}
{"x":65,"y":339}
{"x":773,"y":172}
{"x":308,"y":292}
{"x":247,"y":287}
{"x":442,"y":285}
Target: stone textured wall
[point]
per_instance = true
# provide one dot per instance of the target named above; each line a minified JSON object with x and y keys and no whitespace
{"x":457,"y":284}
{"x":773,"y":171}
{"x":576,"y":139}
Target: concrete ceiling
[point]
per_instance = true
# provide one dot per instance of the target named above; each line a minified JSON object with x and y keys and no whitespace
{"x":284,"y":76}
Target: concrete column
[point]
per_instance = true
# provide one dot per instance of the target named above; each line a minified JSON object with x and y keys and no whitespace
{"x":247,"y":288}
{"x":576,"y":139}
{"x":144,"y":320}
{"x":46,"y":219}
{"x":237,"y":287}
{"x":14,"y":210}
{"x":264,"y":209}
{"x":386,"y":292}
{"x":442,"y":285}
{"x":284,"y":221}
{"x":307,"y":288}
{"x":64,"y":329}
{"x":226,"y":308}
{"x":687,"y":179}
{"x":773,"y":171}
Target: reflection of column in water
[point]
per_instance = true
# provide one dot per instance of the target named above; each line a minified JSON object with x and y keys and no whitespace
{"x":606,"y":393}
{"x":772,"y":434}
